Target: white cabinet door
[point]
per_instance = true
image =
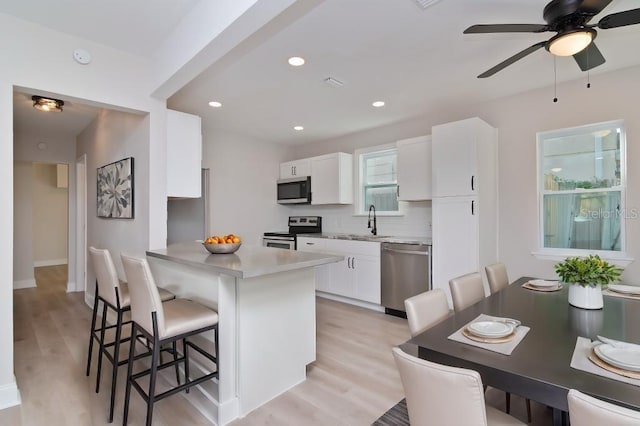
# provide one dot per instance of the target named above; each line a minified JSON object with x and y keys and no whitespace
{"x":332,"y":179}
{"x":366,"y":274}
{"x":323,"y":272}
{"x":455,"y":164}
{"x":184,"y":155}
{"x":297,"y":168}
{"x":455,"y":239}
{"x":414,"y":169}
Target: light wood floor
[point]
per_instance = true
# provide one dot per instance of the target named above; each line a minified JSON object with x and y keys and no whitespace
{"x":352,"y":382}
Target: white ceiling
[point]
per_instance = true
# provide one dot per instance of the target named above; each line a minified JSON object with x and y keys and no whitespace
{"x":416,"y":60}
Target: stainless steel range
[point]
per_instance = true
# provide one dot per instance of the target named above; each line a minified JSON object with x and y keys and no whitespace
{"x":297,"y":225}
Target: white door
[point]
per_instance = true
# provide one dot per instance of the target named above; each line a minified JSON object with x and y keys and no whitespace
{"x":455,"y":239}
{"x":455,"y":165}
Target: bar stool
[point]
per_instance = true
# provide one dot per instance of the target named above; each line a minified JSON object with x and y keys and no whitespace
{"x":163,"y":323}
{"x":115,"y":295}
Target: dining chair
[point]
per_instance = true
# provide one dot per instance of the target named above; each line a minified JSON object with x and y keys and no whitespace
{"x":426,"y":309}
{"x":163,"y":323}
{"x":446,"y":396}
{"x":585,"y":410}
{"x":114,"y":295}
{"x":497,"y":276}
{"x":466,"y":290}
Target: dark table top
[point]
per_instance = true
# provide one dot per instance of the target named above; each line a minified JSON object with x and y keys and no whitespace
{"x":538,"y":368}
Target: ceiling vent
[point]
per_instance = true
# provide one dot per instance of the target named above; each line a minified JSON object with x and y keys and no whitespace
{"x":423,"y":4}
{"x":333,"y":82}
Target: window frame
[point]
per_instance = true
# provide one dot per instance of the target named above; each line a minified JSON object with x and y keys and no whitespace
{"x":551,"y":253}
{"x":358,"y":164}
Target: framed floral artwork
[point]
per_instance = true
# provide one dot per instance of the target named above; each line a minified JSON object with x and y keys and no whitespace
{"x":115,"y":190}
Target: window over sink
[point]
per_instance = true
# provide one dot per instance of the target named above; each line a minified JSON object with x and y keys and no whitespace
{"x":377,"y":181}
{"x":581,"y":190}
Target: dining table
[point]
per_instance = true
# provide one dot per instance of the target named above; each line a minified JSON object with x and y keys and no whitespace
{"x":539,"y":366}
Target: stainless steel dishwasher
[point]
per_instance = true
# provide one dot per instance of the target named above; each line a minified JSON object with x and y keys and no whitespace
{"x":405,"y":271}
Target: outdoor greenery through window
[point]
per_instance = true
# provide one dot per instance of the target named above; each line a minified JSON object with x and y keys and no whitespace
{"x":378,"y":180}
{"x":582,"y":188}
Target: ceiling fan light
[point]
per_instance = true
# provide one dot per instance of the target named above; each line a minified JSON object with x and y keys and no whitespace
{"x":569,"y":44}
{"x":47,"y":104}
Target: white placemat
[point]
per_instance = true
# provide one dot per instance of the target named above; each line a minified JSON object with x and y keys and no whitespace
{"x":579,"y":361}
{"x":503,"y":348}
{"x":616,"y":294}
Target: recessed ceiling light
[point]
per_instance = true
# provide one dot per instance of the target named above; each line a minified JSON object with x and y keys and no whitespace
{"x":298,"y":128}
{"x":215,"y":104}
{"x":296,"y":61}
{"x":378,"y":104}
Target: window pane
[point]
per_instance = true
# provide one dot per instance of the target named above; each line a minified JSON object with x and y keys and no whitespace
{"x":588,"y":158}
{"x":380,"y":168}
{"x":384,"y":198}
{"x":583,"y":221}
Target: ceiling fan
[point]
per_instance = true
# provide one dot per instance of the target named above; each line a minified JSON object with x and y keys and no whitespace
{"x":570,"y":20}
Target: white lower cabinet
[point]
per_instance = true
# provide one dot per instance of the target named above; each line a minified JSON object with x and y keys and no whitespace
{"x":356,"y":277}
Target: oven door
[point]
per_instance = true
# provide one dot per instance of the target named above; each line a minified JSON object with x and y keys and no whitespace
{"x":286,"y":243}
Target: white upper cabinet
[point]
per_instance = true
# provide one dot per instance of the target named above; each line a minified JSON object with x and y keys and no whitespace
{"x":414,"y":169}
{"x":332,"y":179}
{"x":458,"y":157}
{"x":184,"y":155}
{"x":297,"y":168}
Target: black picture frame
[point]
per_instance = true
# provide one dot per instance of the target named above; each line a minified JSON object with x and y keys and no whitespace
{"x":115,"y":198}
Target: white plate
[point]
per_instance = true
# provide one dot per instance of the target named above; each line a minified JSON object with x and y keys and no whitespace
{"x":543,"y":283}
{"x":625,"y":289}
{"x":491,"y":329}
{"x":625,"y":358}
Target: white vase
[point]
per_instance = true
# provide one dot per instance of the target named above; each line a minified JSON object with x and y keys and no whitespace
{"x":585,"y":297}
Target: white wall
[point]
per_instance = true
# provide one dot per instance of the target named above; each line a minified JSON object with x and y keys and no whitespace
{"x":518,"y":119}
{"x":23,"y":210}
{"x":49,"y":218}
{"x":111,"y":137}
{"x":243,"y":184}
{"x":113,"y":79}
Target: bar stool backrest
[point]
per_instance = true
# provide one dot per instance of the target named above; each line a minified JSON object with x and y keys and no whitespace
{"x":144,"y":294}
{"x":106,"y":275}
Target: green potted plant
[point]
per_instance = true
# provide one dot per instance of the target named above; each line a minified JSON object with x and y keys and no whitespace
{"x":586,"y":276}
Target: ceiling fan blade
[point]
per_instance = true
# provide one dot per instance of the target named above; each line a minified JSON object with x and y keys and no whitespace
{"x":589,"y":58}
{"x":620,"y":19}
{"x":512,"y":59}
{"x":593,"y":7}
{"x":505,"y":28}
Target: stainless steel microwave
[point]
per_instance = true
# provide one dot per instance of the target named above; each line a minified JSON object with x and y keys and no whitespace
{"x":295,"y":190}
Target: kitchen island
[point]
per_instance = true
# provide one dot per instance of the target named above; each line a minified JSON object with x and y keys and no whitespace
{"x":265,"y":299}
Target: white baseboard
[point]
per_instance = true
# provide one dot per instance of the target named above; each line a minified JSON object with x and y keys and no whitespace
{"x":71,"y":287}
{"x":350,"y":301}
{"x":30,"y":283}
{"x":9,"y":395}
{"x":52,"y":262}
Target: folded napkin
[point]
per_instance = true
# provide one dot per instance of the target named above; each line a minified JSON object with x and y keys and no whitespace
{"x":503,"y":348}
{"x":580,"y":361}
{"x":608,"y":292}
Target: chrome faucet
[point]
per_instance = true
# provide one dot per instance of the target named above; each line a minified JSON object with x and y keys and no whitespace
{"x":374,"y":230}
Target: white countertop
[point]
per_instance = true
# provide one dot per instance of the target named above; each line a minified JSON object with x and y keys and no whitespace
{"x":370,"y":238}
{"x":247,"y":262}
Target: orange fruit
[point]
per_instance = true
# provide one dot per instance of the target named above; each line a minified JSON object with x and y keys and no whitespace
{"x":236,"y":240}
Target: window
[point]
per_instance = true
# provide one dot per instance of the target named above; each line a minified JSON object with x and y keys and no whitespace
{"x":581,"y":174}
{"x":378,"y":183}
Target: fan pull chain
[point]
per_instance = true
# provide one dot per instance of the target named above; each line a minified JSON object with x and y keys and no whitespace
{"x":588,"y":80}
{"x":588,"y":68}
{"x":555,"y":80}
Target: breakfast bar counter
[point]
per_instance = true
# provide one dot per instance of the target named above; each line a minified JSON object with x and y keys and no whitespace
{"x":265,"y":299}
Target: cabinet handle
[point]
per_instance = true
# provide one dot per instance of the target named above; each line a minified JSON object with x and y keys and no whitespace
{"x":310,"y":244}
{"x":353,"y":263}
{"x":349,"y":262}
{"x":473,"y":208}
{"x":398,"y":190}
{"x":472,"y":183}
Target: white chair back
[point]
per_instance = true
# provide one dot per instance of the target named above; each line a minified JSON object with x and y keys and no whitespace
{"x":585,"y":410}
{"x":466,"y":290}
{"x":426,"y":309}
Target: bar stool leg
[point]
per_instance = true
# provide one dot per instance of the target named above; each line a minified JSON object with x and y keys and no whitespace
{"x":185,"y":350}
{"x":127,"y":394}
{"x":116,"y":356}
{"x":102,"y":331}
{"x":528,"y":402}
{"x":507,"y":398}
{"x":93,"y":327}
{"x":155,"y":356}
{"x":175,"y":360}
